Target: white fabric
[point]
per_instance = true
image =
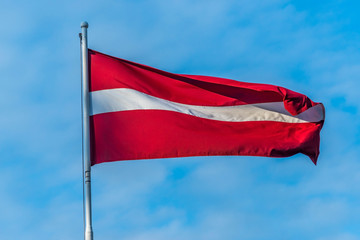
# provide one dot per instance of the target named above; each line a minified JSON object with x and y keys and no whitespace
{"x":125,"y":99}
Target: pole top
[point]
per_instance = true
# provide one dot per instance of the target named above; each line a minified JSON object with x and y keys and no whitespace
{"x":84,"y":25}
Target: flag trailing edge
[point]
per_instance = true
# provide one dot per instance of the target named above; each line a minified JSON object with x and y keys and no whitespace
{"x":139,"y":112}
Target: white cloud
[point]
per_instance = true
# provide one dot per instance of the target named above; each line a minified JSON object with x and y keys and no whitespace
{"x":197,"y":198}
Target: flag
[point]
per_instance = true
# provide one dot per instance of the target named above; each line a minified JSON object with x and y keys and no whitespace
{"x":139,"y":112}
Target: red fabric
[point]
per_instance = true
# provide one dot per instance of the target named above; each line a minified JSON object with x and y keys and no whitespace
{"x":109,"y":72}
{"x":145,"y":134}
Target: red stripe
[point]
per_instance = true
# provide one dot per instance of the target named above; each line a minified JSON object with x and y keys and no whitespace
{"x":146,"y":134}
{"x":108,"y":72}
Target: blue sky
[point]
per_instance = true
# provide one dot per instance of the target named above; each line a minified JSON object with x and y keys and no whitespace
{"x":307,"y":46}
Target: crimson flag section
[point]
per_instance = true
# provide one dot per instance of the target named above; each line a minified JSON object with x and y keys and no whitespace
{"x":139,"y":112}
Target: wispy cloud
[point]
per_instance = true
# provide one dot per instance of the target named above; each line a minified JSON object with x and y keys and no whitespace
{"x":308,"y":49}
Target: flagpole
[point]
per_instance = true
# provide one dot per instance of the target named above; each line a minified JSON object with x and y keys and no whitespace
{"x":86,"y":131}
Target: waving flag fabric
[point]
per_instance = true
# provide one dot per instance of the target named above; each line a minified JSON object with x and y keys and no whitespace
{"x":139,"y":112}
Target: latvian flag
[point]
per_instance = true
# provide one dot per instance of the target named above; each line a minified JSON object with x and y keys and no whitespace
{"x":139,"y":112}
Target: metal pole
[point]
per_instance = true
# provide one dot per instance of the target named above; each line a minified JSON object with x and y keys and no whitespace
{"x":86,"y":131}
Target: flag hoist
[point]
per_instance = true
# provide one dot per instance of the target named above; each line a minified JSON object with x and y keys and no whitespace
{"x":86,"y":131}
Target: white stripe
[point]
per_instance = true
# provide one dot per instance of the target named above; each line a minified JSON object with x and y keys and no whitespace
{"x":124,"y":99}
